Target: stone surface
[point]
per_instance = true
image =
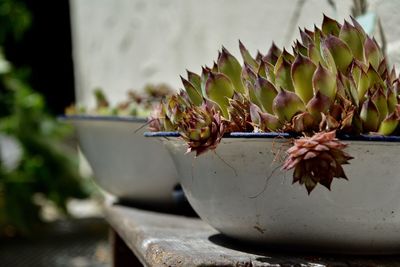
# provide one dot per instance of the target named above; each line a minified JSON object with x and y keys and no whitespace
{"x":160,"y":239}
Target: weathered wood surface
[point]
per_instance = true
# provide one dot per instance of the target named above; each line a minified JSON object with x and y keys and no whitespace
{"x":160,"y":239}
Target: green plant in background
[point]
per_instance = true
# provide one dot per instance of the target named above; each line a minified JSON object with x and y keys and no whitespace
{"x":33,"y":160}
{"x":15,"y":19}
{"x":335,"y":80}
{"x":136,"y":104}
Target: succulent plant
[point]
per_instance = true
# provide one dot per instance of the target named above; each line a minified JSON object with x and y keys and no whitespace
{"x":136,"y":104}
{"x":167,"y":115}
{"x":317,"y":159}
{"x":202,"y":128}
{"x":336,"y":79}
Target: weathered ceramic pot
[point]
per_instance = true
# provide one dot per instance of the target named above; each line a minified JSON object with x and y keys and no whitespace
{"x":241,"y":191}
{"x":124,"y":162}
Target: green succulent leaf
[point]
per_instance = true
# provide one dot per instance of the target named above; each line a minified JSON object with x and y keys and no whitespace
{"x":287,"y":56}
{"x":373,"y":78}
{"x":269,"y":122}
{"x":310,"y":33}
{"x":389,"y":124}
{"x":372,"y":53}
{"x":249,"y":78}
{"x":379,"y":99}
{"x":361,"y":33}
{"x":263,"y":120}
{"x":324,"y":81}
{"x":298,"y":48}
{"x":273,"y":54}
{"x":252,"y":93}
{"x":302,"y":74}
{"x":219,"y":89}
{"x":369,"y":116}
{"x":363,"y":85}
{"x":392,"y":75}
{"x":101,"y":99}
{"x":265,"y":92}
{"x":259,"y":57}
{"x":230,"y":66}
{"x":262,"y":70}
{"x":248,"y":74}
{"x":391,"y":100}
{"x":255,"y":114}
{"x":215,"y":67}
{"x":320,"y":103}
{"x":350,"y":35}
{"x":303,"y":122}
{"x":305,"y":37}
{"x":247,"y":58}
{"x":269,"y":69}
{"x":342,"y":56}
{"x":318,"y":37}
{"x":287,"y":104}
{"x":330,"y":26}
{"x":284,"y":56}
{"x":283,"y":76}
{"x":349,"y":87}
{"x":195,"y":80}
{"x":314,"y":54}
{"x":205,"y":72}
{"x":355,"y":70}
{"x":193,"y":93}
{"x":383,"y":68}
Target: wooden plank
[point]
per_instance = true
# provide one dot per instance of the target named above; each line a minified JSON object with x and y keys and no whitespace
{"x":160,"y":239}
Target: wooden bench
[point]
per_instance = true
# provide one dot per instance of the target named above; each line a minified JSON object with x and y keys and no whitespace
{"x":148,"y":238}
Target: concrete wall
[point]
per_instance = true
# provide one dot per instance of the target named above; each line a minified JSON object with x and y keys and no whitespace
{"x":124,"y":44}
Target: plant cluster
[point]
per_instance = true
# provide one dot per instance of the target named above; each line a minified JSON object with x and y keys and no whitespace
{"x":136,"y":104}
{"x":335,"y":80}
{"x":43,"y":166}
{"x":34,"y":162}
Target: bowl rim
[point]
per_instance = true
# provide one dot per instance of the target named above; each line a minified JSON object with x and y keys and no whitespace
{"x":102,"y":118}
{"x":271,"y":135}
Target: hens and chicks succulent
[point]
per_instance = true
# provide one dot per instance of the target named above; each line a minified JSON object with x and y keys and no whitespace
{"x":335,"y":80}
{"x":136,"y":104}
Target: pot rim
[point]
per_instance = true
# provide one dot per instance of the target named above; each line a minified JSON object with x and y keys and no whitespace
{"x":271,"y":135}
{"x":102,"y":118}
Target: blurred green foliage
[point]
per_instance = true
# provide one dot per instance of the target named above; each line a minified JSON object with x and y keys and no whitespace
{"x":44,"y":166}
{"x":15,"y":19}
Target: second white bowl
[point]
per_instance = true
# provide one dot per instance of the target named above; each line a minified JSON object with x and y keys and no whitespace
{"x":124,"y":162}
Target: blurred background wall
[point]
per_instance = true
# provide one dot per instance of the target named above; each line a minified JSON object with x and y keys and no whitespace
{"x":124,"y":44}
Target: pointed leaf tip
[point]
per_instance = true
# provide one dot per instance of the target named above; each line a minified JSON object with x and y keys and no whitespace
{"x":372,"y":52}
{"x":330,"y":26}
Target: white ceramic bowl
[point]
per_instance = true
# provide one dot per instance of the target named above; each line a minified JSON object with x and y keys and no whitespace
{"x":242,"y":192}
{"x":124,"y":162}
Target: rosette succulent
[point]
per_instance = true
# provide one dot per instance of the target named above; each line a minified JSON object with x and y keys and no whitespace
{"x":336,"y":79}
{"x":317,"y":159}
